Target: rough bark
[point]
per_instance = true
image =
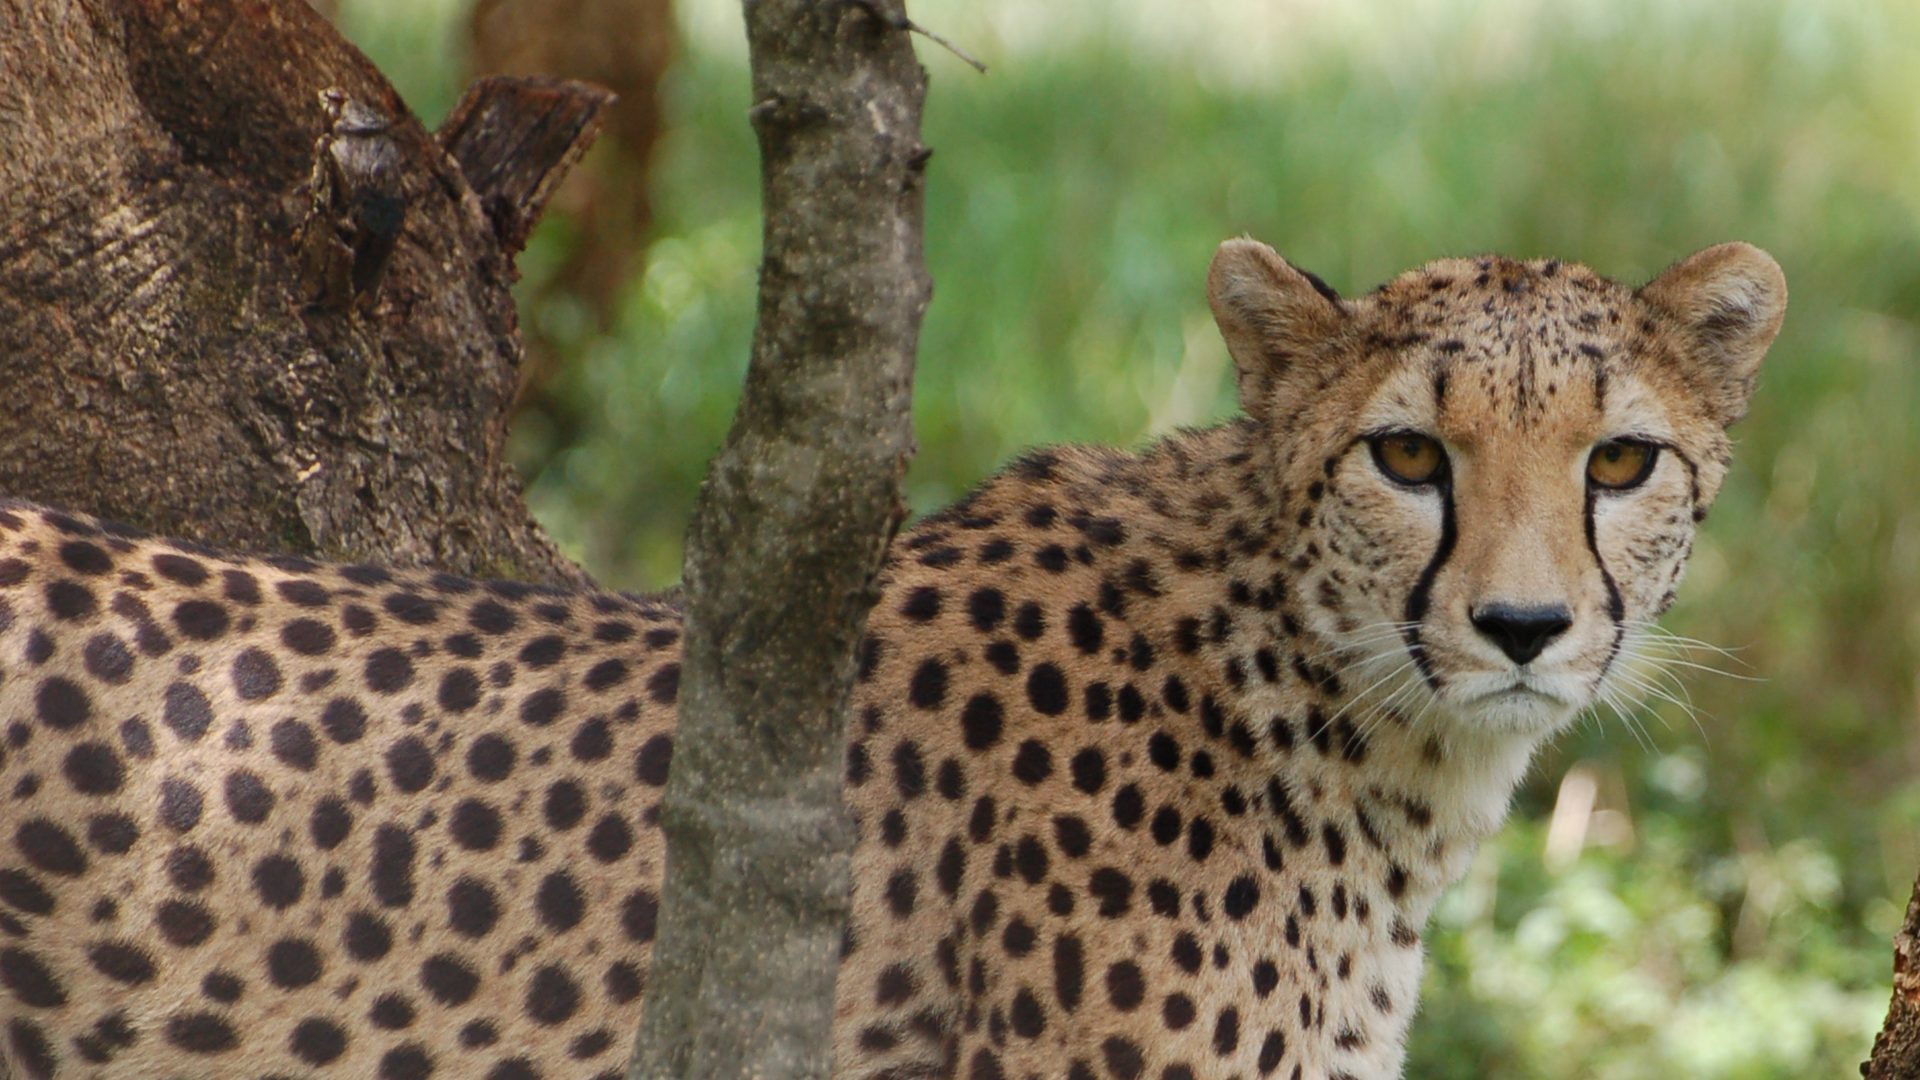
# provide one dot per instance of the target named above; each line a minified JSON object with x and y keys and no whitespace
{"x":1896,"y":1050}
{"x":180,"y":352}
{"x":783,"y":551}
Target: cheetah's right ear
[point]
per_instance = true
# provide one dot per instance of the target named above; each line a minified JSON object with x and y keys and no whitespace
{"x":1269,"y":312}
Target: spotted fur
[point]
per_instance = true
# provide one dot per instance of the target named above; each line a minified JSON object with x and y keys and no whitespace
{"x":1159,"y":761}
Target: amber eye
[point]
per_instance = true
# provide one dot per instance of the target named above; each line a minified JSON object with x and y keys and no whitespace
{"x":1409,"y":457}
{"x":1621,"y":464}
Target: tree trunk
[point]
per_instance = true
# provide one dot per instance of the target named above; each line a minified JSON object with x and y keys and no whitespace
{"x":1896,"y":1051}
{"x":787,"y":539}
{"x":175,"y":358}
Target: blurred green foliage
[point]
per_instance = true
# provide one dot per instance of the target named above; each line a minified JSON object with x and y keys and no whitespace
{"x":1735,"y":925}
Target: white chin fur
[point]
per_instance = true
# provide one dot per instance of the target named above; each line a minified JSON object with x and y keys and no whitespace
{"x":1532,"y":704}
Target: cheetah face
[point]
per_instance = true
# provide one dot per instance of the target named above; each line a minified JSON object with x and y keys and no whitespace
{"x":1518,"y":456}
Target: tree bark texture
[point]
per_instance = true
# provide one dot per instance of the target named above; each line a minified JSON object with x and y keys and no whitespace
{"x":1896,"y":1051}
{"x":196,"y":339}
{"x":787,"y":538}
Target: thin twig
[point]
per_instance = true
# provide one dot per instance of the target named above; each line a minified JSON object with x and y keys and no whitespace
{"x":899,"y":21}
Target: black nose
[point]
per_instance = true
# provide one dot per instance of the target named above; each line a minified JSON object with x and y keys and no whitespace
{"x":1522,"y":632}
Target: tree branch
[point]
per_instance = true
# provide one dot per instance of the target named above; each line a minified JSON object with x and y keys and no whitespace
{"x":786,"y":541}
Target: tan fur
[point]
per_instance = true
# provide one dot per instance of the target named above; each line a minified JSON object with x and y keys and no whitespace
{"x":1154,"y":775}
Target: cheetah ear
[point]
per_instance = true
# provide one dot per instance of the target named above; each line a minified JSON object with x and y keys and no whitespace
{"x":1269,"y":312}
{"x":1727,"y":302}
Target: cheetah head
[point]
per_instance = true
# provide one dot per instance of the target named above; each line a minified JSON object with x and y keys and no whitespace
{"x":1497,"y":466}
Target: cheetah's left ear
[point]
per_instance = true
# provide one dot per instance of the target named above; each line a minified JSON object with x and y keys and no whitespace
{"x":1728,"y":302}
{"x":1270,"y":313}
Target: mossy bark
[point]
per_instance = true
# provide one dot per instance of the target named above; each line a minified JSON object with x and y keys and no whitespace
{"x":784,"y":550}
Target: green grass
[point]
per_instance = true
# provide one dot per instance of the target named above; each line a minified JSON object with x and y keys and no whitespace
{"x":1074,"y":198}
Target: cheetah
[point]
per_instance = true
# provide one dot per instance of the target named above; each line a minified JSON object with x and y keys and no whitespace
{"x":1159,"y":761}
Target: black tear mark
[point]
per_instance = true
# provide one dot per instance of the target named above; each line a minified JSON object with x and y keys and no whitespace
{"x":1616,"y":607}
{"x":1422,"y":594}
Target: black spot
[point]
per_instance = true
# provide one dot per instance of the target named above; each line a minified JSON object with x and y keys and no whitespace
{"x":1124,"y":1059}
{"x":23,"y":892}
{"x":1113,"y":889}
{"x":107,"y":659}
{"x":292,"y":963}
{"x":180,"y":805}
{"x":240,"y":586}
{"x":472,"y":909}
{"x":592,"y":741}
{"x":92,"y":768}
{"x":330,"y":823}
{"x":981,"y":721}
{"x":222,"y":986}
{"x":606,"y":674}
{"x":552,"y":996}
{"x":922,"y":604}
{"x":640,"y":915}
{"x":200,"y":620}
{"x":248,"y":799}
{"x":392,"y":869}
{"x":201,"y":1033}
{"x":62,"y":705}
{"x":985,"y":608}
{"x":448,"y":979}
{"x":490,"y":758}
{"x":1030,"y":621}
{"x":317,"y":1042}
{"x":1032,"y":763}
{"x":366,"y":937}
{"x":1047,"y":689}
{"x":560,"y":903}
{"x":1128,"y":807}
{"x":123,"y":963}
{"x":492,"y":617}
{"x":408,"y":1062}
{"x":1163,"y":751}
{"x":460,"y":689}
{"x":1085,"y":629}
{"x":1126,"y":986}
{"x":388,"y":671}
{"x":609,"y":839}
{"x":475,"y":825}
{"x":308,"y":637}
{"x":293,"y":745}
{"x":663,"y":686}
{"x":1272,"y":1049}
{"x":343,"y":720}
{"x":542,"y":707}
{"x":909,"y":770}
{"x":928,"y":689}
{"x":183,"y":923}
{"x":137,"y":737}
{"x":410,"y":764}
{"x":278,"y":881}
{"x":902,"y":890}
{"x":654,"y":760}
{"x":50,"y":848}
{"x":70,"y":600}
{"x":189,"y":868}
{"x":1242,"y":894}
{"x":179,"y":568}
{"x":391,"y":1012}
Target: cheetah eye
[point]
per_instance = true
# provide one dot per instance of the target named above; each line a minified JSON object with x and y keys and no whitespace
{"x":1408,"y":457}
{"x":1621,"y":464}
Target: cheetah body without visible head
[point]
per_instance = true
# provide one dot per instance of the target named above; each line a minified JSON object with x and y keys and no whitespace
{"x":1159,"y":761}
